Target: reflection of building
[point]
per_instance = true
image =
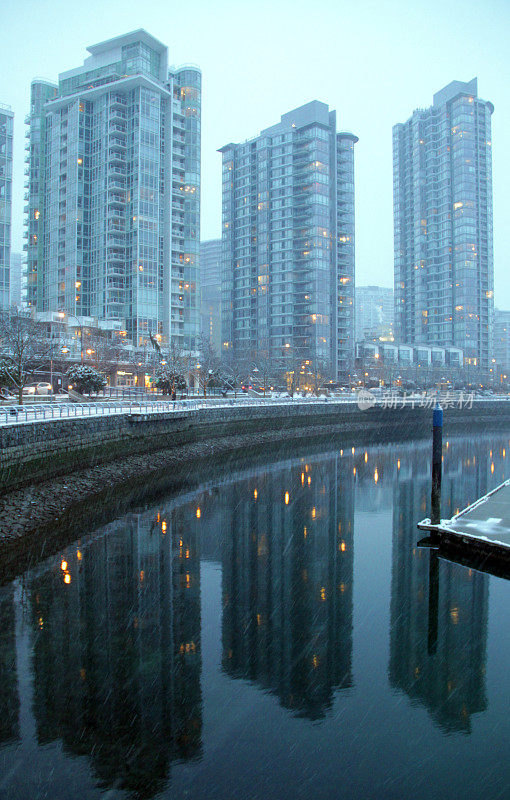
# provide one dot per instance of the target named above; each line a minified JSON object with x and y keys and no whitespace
{"x":288,"y":242}
{"x":439,"y":610}
{"x":114,"y":213}
{"x":9,"y":699}
{"x":287,"y":584}
{"x":117,"y":652}
{"x":210,"y":288}
{"x":444,"y":270}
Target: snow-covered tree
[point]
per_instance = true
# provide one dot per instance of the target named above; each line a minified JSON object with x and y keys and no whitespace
{"x":85,"y":379}
{"x":25,"y":348}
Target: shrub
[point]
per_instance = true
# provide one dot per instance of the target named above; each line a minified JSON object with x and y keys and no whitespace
{"x":85,"y":379}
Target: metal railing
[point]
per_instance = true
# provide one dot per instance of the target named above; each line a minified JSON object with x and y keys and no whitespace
{"x":15,"y":414}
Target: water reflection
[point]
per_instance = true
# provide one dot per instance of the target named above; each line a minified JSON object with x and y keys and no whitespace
{"x":116,"y":655}
{"x":9,"y":698}
{"x":439,"y":612}
{"x":115,"y":629}
{"x":287,"y":583}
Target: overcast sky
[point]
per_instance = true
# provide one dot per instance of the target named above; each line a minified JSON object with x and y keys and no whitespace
{"x":374,"y":61}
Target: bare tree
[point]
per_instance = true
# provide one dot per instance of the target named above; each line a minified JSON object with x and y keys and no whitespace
{"x":103,"y":351}
{"x":207,"y":369}
{"x":233,"y":373}
{"x":171,"y":376}
{"x":266,"y":372}
{"x":318,"y":372}
{"x":24,"y":348}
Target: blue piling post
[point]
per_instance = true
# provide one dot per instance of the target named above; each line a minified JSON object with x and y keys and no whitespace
{"x":437,"y":454}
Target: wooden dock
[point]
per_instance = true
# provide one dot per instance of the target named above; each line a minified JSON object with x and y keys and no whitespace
{"x":479,"y":535}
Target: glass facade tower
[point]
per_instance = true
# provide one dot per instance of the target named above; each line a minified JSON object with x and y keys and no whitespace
{"x":210,"y":286}
{"x":442,"y":182}
{"x":288,"y":242}
{"x":114,"y":187}
{"x":6,"y":125}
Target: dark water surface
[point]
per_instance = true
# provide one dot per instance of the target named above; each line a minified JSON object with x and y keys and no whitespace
{"x":269,"y":636}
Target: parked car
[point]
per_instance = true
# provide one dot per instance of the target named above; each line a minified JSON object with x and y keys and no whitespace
{"x":38,"y":388}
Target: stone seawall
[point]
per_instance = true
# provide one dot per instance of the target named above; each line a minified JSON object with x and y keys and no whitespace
{"x":39,"y":451}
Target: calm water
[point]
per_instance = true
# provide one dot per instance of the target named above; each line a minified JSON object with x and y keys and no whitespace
{"x":268,"y":636}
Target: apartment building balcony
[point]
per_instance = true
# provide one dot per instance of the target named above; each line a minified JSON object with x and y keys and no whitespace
{"x":116,"y":170}
{"x":116,"y":156}
{"x":116,"y":183}
{"x":116,"y":101}
{"x":116,"y":200}
{"x":116,"y":143}
{"x":116,"y":127}
{"x":115,"y":274}
{"x":113,"y":257}
{"x":115,"y":215}
{"x":117,"y":241}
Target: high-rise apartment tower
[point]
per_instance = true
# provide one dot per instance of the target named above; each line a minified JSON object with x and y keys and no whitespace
{"x":442,"y":182}
{"x":114,"y":191}
{"x":288,"y":242}
{"x":6,"y":125}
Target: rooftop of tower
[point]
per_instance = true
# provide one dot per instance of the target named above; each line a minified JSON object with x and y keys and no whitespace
{"x":140,"y":35}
